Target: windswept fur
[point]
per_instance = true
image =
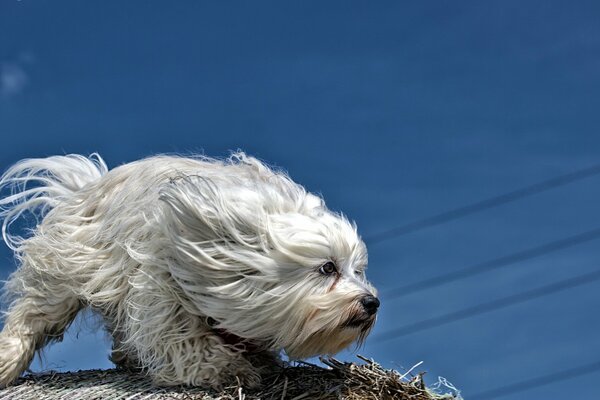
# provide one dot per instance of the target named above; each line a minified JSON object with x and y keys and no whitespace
{"x":177,"y":254}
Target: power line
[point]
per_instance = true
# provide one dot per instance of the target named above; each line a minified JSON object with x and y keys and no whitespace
{"x":537,"y":382}
{"x":486,"y":266}
{"x":488,"y":307}
{"x":491,"y":202}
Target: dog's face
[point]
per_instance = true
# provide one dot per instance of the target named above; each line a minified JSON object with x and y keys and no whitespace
{"x":269,"y":262}
{"x":328,"y":301}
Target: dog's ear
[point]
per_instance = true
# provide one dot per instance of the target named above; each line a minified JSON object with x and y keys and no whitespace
{"x":201,"y":210}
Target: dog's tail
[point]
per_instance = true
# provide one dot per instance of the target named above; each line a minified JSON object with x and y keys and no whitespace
{"x":37,"y":185}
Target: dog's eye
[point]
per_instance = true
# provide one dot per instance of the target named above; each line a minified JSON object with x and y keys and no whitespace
{"x":328,"y":268}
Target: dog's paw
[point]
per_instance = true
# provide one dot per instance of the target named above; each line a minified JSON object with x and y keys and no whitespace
{"x":250,"y":380}
{"x":13,"y":359}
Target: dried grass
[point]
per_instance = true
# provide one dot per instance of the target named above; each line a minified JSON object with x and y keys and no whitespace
{"x":339,"y":380}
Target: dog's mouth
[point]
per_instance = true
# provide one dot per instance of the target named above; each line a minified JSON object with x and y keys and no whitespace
{"x":364,"y":322}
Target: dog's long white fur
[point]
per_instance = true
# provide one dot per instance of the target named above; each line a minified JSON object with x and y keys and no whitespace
{"x":163,"y":245}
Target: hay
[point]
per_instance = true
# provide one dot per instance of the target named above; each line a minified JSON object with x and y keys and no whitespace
{"x":340,"y":380}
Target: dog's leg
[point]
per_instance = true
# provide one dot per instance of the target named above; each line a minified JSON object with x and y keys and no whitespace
{"x":173,"y":345}
{"x":204,"y":361}
{"x":32,"y":321}
{"x":190,"y":354}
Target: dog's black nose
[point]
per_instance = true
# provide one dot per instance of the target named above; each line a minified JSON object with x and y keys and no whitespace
{"x":370,"y":303}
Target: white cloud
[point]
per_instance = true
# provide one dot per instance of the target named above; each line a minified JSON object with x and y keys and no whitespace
{"x":13,"y":79}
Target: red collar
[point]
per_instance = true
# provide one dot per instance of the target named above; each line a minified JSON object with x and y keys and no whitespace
{"x":238,"y":342}
{"x":232,"y":339}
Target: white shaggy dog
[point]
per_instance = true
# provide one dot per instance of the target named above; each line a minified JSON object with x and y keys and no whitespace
{"x":203,"y":269}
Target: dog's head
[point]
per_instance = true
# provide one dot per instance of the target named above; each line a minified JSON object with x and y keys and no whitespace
{"x":268,"y":261}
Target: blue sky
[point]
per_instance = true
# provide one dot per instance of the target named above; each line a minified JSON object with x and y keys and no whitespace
{"x":393,"y":111}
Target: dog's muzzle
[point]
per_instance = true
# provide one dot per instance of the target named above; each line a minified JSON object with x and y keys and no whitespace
{"x":365,"y":316}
